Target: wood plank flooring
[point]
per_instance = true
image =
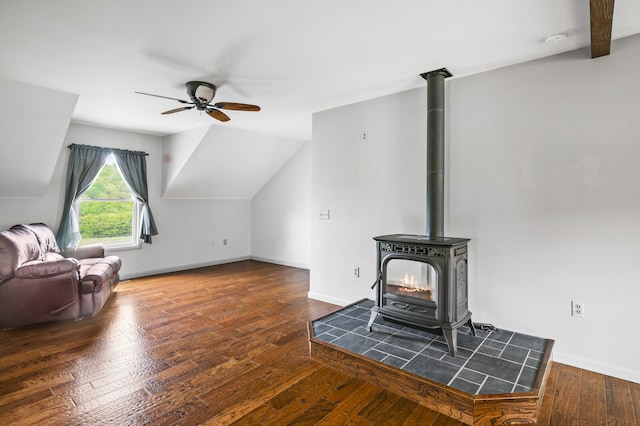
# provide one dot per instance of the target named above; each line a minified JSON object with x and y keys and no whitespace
{"x":228,"y":345}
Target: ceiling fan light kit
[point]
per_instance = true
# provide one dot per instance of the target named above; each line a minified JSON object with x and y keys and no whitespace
{"x":201,"y":91}
{"x":201,"y":94}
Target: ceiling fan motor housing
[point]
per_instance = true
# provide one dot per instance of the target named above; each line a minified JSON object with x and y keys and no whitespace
{"x":201,"y":93}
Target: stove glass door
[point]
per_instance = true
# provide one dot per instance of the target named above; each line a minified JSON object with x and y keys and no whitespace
{"x":411,"y":278}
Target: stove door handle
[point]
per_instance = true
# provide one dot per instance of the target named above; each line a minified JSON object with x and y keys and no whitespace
{"x":377,"y":282}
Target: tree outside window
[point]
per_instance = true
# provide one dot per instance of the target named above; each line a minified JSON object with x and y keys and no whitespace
{"x":107,"y":211}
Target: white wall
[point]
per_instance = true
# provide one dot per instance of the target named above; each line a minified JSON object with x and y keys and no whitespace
{"x":371,"y":188}
{"x":191,"y":232}
{"x":544,"y":165}
{"x":29,"y":175}
{"x":280,"y":214}
{"x":226,"y":163}
{"x":541,"y":175}
{"x":45,"y":209}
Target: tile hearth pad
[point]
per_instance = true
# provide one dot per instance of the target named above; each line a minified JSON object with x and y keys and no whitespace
{"x":492,"y":362}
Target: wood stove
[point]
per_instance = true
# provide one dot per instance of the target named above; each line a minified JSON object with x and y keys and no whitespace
{"x":422,"y":282}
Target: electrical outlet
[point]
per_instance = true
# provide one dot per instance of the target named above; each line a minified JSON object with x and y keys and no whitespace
{"x":577,"y":309}
{"x":356,"y":272}
{"x":362,"y":136}
{"x":224,"y":242}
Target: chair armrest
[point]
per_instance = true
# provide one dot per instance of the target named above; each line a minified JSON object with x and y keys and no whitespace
{"x":85,"y":252}
{"x":46,"y":269}
{"x":37,"y":298}
{"x":100,"y":273}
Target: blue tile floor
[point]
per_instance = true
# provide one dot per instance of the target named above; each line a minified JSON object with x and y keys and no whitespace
{"x":491,"y":362}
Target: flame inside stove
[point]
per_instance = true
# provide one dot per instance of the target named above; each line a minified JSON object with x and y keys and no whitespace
{"x":409,"y":282}
{"x":410,"y":285}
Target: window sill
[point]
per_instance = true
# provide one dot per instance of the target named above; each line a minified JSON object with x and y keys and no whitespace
{"x":115,"y":249}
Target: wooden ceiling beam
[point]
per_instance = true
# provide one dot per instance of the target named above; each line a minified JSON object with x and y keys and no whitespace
{"x":601,"y":23}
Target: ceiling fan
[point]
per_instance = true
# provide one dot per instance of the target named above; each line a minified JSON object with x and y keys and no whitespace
{"x":201,"y":94}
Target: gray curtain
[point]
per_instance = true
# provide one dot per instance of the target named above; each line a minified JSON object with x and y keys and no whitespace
{"x":133,"y":166}
{"x":84,"y":165}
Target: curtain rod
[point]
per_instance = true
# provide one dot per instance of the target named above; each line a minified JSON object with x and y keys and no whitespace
{"x":108,"y":149}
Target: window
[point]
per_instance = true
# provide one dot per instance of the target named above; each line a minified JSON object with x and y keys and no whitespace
{"x":85,"y":164}
{"x":107,"y":212}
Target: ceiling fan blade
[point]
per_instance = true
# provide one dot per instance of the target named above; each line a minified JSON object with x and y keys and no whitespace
{"x":218,"y":115}
{"x":171,"y":111}
{"x":165,"y":97}
{"x":236,"y":106}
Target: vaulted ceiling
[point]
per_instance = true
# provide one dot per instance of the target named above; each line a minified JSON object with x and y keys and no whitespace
{"x":291,"y":57}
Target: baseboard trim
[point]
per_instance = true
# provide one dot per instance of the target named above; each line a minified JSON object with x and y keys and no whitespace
{"x":179,"y":268}
{"x":328,"y":299}
{"x":598,"y":367}
{"x":281,"y":262}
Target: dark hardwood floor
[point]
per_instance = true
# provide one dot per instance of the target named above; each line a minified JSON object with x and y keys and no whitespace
{"x":228,"y":345}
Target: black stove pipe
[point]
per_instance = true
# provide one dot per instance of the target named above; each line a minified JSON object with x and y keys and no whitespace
{"x":435,"y":151}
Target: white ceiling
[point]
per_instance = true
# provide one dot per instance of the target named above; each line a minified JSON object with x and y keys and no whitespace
{"x":291,"y":57}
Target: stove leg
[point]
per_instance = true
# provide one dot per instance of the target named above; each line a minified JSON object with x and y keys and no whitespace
{"x":471,"y":326}
{"x":451,"y":336}
{"x":374,"y":315}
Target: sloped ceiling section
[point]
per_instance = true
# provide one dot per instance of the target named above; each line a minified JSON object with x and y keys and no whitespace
{"x":226,"y":163}
{"x":33,"y":123}
{"x":176,"y":151}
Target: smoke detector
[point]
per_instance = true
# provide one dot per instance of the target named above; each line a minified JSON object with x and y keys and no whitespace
{"x":555,"y":39}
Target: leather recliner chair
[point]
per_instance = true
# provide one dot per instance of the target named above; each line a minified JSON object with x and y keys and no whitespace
{"x":38,"y":283}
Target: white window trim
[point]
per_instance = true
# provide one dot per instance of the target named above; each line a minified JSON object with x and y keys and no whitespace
{"x":135,"y":229}
{"x":136,"y":220}
{"x":136,"y":242}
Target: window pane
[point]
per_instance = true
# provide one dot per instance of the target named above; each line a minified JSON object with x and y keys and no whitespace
{"x":108,"y":222}
{"x":108,"y":185}
{"x":107,"y":211}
